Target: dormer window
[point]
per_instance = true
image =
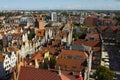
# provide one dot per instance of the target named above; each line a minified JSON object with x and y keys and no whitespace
{"x":39,"y":32}
{"x":92,"y":38}
{"x":78,"y":58}
{"x":69,"y":57}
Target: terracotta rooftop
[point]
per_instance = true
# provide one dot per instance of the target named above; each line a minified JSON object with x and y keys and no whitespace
{"x":69,"y":76}
{"x":50,"y":49}
{"x":74,"y":53}
{"x":91,"y":43}
{"x":27,"y":73}
{"x":114,"y":28}
{"x":56,"y":42}
{"x":37,"y":56}
{"x":91,"y":17}
{"x":13,"y":49}
{"x":16,"y":35}
{"x":103,"y":28}
{"x":97,"y":49}
{"x":68,"y":58}
{"x":40,"y":33}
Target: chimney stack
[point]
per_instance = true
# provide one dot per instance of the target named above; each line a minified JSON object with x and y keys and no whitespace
{"x":59,"y":71}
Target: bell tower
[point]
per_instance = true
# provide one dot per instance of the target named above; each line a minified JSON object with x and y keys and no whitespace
{"x":41,"y":23}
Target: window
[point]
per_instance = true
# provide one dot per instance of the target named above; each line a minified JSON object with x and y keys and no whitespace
{"x":60,"y":65}
{"x":78,"y":58}
{"x":74,"y":68}
{"x":69,"y":57}
{"x":64,"y":56}
{"x":66,"y":67}
{"x":39,"y":32}
{"x":92,"y":38}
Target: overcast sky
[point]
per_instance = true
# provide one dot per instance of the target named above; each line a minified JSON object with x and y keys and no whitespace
{"x":60,"y":4}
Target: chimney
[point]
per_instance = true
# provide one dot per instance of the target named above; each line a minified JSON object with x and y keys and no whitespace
{"x":59,"y":71}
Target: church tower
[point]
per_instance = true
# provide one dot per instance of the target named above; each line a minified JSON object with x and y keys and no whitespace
{"x":41,"y":23}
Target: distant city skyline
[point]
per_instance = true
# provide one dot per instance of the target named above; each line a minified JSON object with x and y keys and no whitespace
{"x":59,"y":4}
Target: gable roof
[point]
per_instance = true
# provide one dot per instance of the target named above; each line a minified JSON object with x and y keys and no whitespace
{"x":91,"y":43}
{"x":28,"y":73}
{"x":74,"y":53}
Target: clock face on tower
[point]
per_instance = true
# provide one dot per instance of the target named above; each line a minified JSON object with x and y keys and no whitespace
{"x":41,"y":23}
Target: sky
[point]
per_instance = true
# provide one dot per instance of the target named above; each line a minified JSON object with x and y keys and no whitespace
{"x":59,"y":4}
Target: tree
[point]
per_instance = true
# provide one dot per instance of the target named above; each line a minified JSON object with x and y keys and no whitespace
{"x":118,"y":19}
{"x":104,"y":73}
{"x":77,"y":34}
{"x":46,"y":63}
{"x":49,"y":63}
{"x":107,"y":17}
{"x":31,"y":35}
{"x":52,"y":62}
{"x":83,"y":35}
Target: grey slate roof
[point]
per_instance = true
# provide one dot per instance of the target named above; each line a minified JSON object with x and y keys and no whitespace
{"x":80,"y":47}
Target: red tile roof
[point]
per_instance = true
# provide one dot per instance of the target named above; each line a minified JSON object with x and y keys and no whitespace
{"x":114,"y":28}
{"x":97,"y":49}
{"x":16,"y":35}
{"x":69,"y":75}
{"x":63,"y":77}
{"x":74,"y":53}
{"x":103,"y":28}
{"x":91,"y":43}
{"x":13,"y":49}
{"x":37,"y":56}
{"x":28,"y":73}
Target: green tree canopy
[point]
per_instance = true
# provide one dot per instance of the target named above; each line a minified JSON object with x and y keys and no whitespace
{"x":31,"y":35}
{"x":77,"y":34}
{"x":52,"y":62}
{"x":106,"y":17}
{"x":117,"y":17}
{"x":104,"y":73}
